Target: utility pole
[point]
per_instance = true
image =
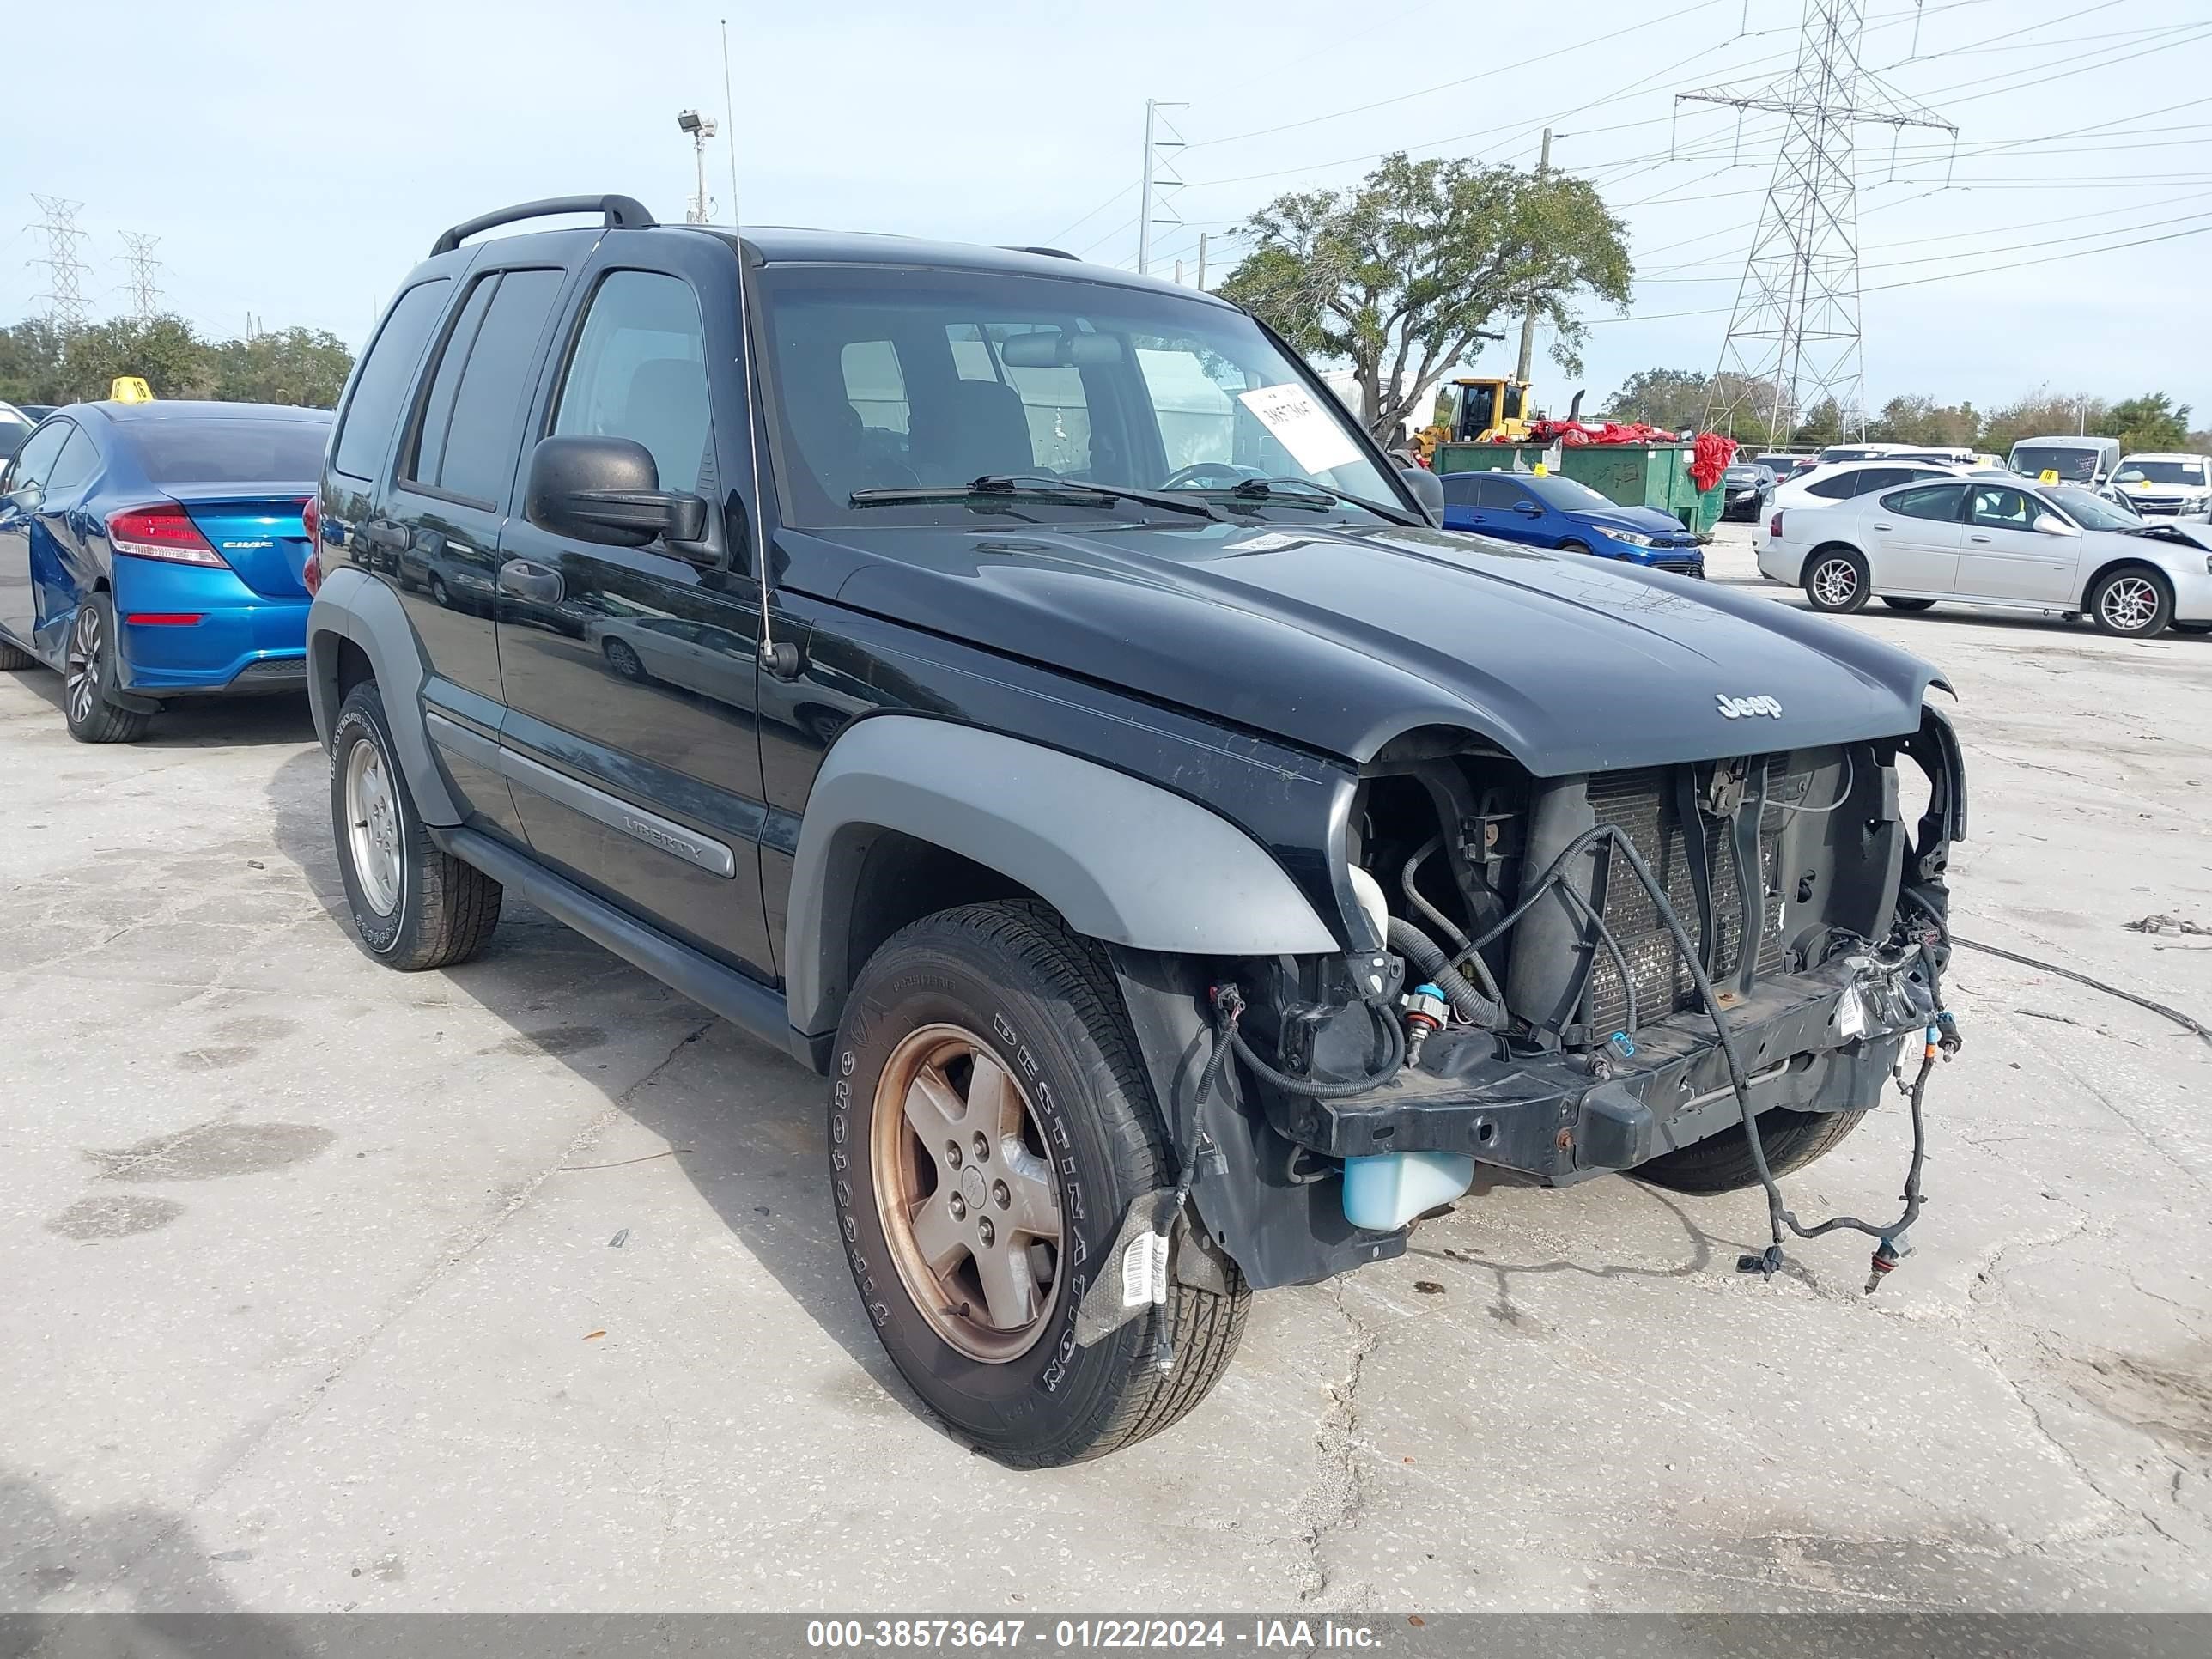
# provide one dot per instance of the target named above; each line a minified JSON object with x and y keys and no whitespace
{"x":1529,"y":321}
{"x":701,"y":128}
{"x":1201,"y":261}
{"x":138,"y":254}
{"x":1795,"y":330}
{"x":65,"y":272}
{"x":1159,"y":175}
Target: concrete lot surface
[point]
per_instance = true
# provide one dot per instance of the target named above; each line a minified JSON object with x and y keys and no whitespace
{"x":514,"y":1287}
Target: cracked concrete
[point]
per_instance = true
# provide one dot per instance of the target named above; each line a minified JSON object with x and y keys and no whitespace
{"x":313,"y":1305}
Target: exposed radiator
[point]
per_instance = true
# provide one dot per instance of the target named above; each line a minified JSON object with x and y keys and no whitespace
{"x":1642,"y":803}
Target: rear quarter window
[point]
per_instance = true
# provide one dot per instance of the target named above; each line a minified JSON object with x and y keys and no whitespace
{"x":380,"y":389}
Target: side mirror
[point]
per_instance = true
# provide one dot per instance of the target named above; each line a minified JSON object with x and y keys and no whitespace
{"x":607,"y":490}
{"x":2051,"y":524}
{"x":1528,"y":508}
{"x":26,"y":501}
{"x":1427,"y":489}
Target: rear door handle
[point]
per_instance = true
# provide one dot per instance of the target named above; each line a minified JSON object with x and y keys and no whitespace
{"x":1977,"y":538}
{"x":1885,"y":526}
{"x":521,"y":579}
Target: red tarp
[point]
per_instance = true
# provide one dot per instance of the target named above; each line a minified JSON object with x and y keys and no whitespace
{"x":1709,"y":459}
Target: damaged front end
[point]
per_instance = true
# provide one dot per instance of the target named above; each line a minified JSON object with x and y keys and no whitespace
{"x":1567,"y":976}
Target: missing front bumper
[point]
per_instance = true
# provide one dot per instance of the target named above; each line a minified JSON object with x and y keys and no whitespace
{"x":1821,"y":1041}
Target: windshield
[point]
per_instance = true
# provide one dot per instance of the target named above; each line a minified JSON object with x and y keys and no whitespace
{"x":893,"y":380}
{"x":2071,"y":465}
{"x":2093,"y":511}
{"x":2167,"y":472}
{"x":217,"y":452}
{"x":1747,"y":474}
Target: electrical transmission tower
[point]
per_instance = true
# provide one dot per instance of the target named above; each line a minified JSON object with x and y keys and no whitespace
{"x":65,"y":272}
{"x":1160,"y":177}
{"x":1794,"y":339}
{"x":138,"y":255}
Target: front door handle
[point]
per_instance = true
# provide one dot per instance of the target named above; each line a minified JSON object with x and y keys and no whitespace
{"x":1885,"y":526}
{"x":519,"y":579}
{"x":1977,"y":538}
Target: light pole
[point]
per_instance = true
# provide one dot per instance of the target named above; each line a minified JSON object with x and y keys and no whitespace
{"x":702,"y":128}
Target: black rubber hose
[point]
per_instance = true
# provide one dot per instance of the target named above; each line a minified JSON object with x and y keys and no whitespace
{"x":1430,"y":961}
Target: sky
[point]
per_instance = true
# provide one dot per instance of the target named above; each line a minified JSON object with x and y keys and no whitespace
{"x":296,"y":160}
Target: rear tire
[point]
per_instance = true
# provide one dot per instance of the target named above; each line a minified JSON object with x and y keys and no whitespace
{"x":414,"y":906}
{"x":88,"y":675}
{"x":2132,"y":603}
{"x":1000,"y":997}
{"x":1722,"y":1163}
{"x":1837,"y":581}
{"x":1908,"y":606}
{"x":2178,"y":627}
{"x":16,"y":657}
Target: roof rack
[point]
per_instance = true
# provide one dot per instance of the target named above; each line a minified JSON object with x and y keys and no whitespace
{"x":1048,"y":253}
{"x":620,"y":213}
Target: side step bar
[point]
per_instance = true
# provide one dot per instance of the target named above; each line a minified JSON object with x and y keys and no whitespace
{"x":743,"y":1001}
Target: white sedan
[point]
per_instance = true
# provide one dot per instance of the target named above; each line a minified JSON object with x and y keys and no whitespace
{"x":2056,"y":549}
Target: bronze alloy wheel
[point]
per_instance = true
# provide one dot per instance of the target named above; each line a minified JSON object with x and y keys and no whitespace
{"x":967,"y":1197}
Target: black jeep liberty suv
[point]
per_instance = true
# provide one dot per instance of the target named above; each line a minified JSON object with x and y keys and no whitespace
{"x":1018,"y":691}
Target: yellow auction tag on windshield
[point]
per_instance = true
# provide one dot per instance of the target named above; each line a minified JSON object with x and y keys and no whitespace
{"x":2048,"y":475}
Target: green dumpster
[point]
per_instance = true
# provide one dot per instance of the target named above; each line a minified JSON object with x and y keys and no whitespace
{"x":1633,"y":475}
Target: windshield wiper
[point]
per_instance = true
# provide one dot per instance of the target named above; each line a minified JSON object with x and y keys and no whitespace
{"x":1036,"y":485}
{"x":1266,"y":490}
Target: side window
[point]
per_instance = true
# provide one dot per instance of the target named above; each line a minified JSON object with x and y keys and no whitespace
{"x":1869,"y":480}
{"x":1495,"y":491}
{"x":640,"y":371}
{"x":79,"y":460}
{"x":496,"y":385}
{"x":37,"y":457}
{"x":1840,"y":486}
{"x":427,"y":461}
{"x":1460,"y":488}
{"x":1937,"y":502}
{"x":2003,"y":509}
{"x":379,"y":388}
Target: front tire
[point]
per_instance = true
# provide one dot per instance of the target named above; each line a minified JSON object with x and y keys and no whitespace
{"x":12,"y":656}
{"x":414,"y":906}
{"x":989,"y":1127}
{"x":1722,"y":1163}
{"x":88,"y":678}
{"x":1572,"y":546}
{"x":2131,"y":603}
{"x":1837,"y":581}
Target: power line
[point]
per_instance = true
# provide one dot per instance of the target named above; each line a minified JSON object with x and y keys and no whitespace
{"x":1796,"y":327}
{"x":138,"y":254}
{"x":65,"y":272}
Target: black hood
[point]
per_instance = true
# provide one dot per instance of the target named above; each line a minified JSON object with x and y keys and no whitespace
{"x":1338,"y":638}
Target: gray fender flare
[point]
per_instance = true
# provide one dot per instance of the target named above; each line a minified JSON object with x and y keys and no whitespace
{"x":354,"y":606}
{"x":1122,"y":860}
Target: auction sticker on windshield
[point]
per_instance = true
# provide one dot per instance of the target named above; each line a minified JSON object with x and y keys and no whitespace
{"x":1301,"y":426}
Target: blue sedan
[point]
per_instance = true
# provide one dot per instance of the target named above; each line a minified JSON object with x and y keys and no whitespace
{"x":154,"y":551}
{"x":1554,"y":512}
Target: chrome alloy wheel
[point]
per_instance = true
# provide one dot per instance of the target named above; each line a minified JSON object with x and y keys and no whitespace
{"x":82,"y":664}
{"x":372,"y":827}
{"x":966,"y":1193}
{"x":2129,"y":604}
{"x":1835,"y":582}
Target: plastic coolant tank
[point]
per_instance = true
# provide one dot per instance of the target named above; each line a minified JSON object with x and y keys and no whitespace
{"x":1384,"y":1193}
